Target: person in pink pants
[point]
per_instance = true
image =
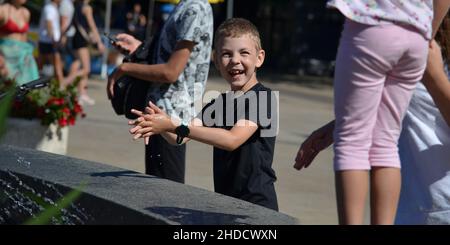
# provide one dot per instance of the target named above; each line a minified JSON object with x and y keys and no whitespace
{"x":381,"y":57}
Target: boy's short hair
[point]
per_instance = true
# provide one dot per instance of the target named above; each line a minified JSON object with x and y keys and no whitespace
{"x":237,"y":27}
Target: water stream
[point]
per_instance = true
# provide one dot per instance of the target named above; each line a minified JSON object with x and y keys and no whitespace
{"x":22,"y":198}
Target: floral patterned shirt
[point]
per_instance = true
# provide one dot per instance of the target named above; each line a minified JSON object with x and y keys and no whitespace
{"x":418,"y":13}
{"x":191,"y":20}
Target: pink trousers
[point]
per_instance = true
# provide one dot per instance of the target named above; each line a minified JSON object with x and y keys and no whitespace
{"x":377,"y":69}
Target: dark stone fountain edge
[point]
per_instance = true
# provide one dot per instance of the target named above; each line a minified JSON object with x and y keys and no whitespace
{"x":132,"y":195}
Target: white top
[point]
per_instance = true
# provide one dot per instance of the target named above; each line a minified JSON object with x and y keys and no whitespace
{"x":66,"y":9}
{"x":424,"y":148}
{"x":417,"y":13}
{"x":49,"y":13}
{"x":191,"y":20}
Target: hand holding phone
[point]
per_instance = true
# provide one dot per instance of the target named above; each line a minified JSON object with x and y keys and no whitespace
{"x":112,"y":39}
{"x":125,"y":43}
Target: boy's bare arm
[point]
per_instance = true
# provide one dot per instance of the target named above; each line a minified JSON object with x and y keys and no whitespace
{"x":157,"y":122}
{"x":228,"y":140}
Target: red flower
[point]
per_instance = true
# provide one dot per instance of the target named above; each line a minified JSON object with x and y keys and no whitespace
{"x":71,"y":121}
{"x":50,"y":104}
{"x":78,"y":108}
{"x":55,"y":101}
{"x":52,"y":101}
{"x":66,"y":110}
{"x":62,"y":122}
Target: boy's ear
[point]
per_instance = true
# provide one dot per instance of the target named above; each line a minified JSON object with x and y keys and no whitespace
{"x":260,"y":58}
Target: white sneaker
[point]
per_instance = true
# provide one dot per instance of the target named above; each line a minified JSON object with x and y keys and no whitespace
{"x":86,"y":100}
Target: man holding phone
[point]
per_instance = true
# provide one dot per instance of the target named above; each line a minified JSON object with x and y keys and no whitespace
{"x":178,"y":77}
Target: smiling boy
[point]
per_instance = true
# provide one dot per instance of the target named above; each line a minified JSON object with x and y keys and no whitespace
{"x":241,"y":124}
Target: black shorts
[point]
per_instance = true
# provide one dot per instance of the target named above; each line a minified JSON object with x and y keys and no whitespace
{"x":47,"y":48}
{"x":78,"y":41}
{"x":165,"y":160}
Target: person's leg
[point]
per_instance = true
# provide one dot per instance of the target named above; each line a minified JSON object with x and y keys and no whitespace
{"x":383,"y":155}
{"x":74,"y":72}
{"x":45,"y":56}
{"x":83,"y":54}
{"x":351,"y":195}
{"x":84,"y":57}
{"x":385,"y":180}
{"x":165,"y":160}
{"x":46,"y":60}
{"x":75,"y":65}
{"x":384,"y":192}
{"x":58,"y":67}
{"x":362,"y":64}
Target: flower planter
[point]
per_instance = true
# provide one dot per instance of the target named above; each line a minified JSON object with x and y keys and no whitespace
{"x":31,"y":134}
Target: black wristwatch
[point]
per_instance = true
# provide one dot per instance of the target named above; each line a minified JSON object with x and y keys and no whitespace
{"x":181,"y":131}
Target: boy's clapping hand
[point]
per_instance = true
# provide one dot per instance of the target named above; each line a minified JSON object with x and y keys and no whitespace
{"x":154,"y":121}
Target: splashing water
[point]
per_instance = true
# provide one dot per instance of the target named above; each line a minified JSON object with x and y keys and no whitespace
{"x":19,"y":201}
{"x":21,"y":160}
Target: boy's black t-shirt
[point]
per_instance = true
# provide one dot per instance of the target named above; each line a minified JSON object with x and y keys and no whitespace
{"x":245,"y":173}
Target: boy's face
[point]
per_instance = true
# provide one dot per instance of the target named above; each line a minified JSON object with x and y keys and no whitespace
{"x":237,"y":59}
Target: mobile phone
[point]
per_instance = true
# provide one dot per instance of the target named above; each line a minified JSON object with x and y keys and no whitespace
{"x":110,"y":38}
{"x":113,"y":41}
